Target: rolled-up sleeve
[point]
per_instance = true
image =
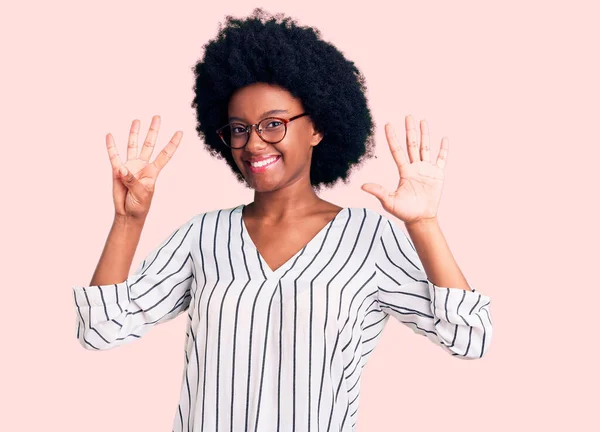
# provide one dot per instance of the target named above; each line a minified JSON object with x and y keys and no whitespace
{"x":111,"y":315}
{"x":457,"y":320}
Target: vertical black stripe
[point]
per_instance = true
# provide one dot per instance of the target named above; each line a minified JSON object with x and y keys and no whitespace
{"x":235,"y":326}
{"x":251,"y":330}
{"x":279,"y":364}
{"x":194,"y":340}
{"x":207,"y":315}
{"x":217,"y":419}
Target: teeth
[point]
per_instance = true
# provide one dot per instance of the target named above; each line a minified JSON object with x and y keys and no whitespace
{"x":263,"y":163}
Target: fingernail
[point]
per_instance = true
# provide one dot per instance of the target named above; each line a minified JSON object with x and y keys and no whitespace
{"x":123,"y":170}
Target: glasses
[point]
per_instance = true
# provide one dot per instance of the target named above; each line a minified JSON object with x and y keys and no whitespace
{"x":271,"y":130}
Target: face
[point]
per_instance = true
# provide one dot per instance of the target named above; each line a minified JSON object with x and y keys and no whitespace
{"x":252,"y":104}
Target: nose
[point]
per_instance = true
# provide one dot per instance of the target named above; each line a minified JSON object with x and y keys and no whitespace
{"x":254,"y":139}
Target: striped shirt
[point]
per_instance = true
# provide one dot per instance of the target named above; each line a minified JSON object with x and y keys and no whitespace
{"x":284,"y":349}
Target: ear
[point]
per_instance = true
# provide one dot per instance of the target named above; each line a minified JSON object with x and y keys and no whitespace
{"x":317,"y":137}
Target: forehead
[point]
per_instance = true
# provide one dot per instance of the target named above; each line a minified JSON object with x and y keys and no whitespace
{"x":252,"y":101}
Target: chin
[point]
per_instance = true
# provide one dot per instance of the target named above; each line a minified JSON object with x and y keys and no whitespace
{"x":265,"y":185}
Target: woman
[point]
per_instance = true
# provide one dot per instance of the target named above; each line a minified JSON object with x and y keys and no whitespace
{"x":285,"y":297}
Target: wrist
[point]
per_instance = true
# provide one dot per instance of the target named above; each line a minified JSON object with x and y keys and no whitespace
{"x":422,"y":223}
{"x":129,"y":221}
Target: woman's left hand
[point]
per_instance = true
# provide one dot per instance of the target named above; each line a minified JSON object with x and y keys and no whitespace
{"x":420,"y":187}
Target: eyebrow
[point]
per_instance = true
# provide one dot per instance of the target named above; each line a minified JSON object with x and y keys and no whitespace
{"x":265,"y":114}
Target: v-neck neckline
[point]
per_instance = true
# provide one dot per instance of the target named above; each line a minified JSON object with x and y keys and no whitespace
{"x":269,"y":272}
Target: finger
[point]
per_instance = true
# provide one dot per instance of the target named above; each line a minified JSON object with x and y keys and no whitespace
{"x":113,"y":154}
{"x":150,"y":141}
{"x":132,"y":144}
{"x":425,"y":142}
{"x":378,"y":191}
{"x":395,"y":147}
{"x":411,"y":139}
{"x":443,"y":154}
{"x":167,"y":152}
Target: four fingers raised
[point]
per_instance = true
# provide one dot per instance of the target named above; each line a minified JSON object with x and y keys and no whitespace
{"x":161,"y":159}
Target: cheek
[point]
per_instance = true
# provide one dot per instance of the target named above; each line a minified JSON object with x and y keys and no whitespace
{"x":238,"y":161}
{"x":297,"y":147}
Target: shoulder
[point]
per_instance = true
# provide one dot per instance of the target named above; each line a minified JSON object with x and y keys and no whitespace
{"x":370,"y":220}
{"x":211,"y":215}
{"x":206,"y":220}
{"x":368,"y":214}
{"x":215,"y":212}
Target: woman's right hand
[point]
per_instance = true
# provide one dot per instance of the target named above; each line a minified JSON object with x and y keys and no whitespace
{"x":133,"y":191}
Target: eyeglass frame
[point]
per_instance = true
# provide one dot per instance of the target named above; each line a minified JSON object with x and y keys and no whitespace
{"x":255,"y":126}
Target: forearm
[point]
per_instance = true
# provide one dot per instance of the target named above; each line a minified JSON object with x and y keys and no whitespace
{"x":434,"y":252}
{"x":117,"y":256}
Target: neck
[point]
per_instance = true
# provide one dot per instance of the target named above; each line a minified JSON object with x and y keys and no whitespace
{"x":282,"y":203}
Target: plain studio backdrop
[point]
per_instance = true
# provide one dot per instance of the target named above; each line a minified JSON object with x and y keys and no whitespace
{"x":514,"y":86}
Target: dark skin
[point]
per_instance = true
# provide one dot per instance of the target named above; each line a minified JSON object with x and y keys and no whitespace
{"x":286,"y":213}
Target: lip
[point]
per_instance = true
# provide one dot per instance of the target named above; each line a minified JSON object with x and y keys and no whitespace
{"x":263,"y":168}
{"x":260,"y":158}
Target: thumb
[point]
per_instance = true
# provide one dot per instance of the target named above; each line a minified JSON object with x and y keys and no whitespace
{"x":376,"y":190}
{"x":130,"y":181}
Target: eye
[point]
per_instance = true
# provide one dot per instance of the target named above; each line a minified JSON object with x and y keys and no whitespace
{"x":238,"y":129}
{"x":273,"y":124}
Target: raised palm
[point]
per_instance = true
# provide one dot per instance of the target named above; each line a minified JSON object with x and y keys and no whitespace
{"x":419,"y":190}
{"x":133,"y":191}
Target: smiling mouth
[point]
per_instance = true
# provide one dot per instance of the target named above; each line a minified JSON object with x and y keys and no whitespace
{"x":263,"y":165}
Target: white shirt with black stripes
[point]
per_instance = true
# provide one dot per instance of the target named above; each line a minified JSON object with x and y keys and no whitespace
{"x":284,"y":349}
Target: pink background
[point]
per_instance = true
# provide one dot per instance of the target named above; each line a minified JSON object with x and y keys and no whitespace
{"x":515,"y":87}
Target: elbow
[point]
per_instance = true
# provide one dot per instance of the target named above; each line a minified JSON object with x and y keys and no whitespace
{"x":467,"y":341}
{"x":470,"y":355}
{"x":473,"y":346}
{"x":93,"y":344}
{"x":98,"y":337}
{"x":466,"y":337}
{"x":86,"y":344}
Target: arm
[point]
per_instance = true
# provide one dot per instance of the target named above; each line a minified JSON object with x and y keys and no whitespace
{"x":455,"y":318}
{"x":118,"y":251}
{"x":435,"y":255}
{"x":115,"y":309}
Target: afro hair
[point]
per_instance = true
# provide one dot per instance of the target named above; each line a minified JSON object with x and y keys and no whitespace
{"x":276,"y":50}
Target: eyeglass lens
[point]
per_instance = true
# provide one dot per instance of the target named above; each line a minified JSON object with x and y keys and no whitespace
{"x":272,"y":130}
